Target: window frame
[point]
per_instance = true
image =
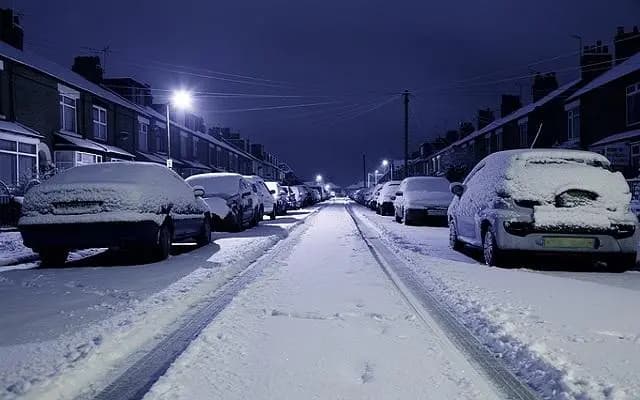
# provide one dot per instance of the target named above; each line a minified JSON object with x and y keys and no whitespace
{"x":18,"y":154}
{"x":573,"y":114}
{"x":98,"y":123}
{"x":140,"y":133}
{"x":74,"y":107}
{"x":634,"y":92}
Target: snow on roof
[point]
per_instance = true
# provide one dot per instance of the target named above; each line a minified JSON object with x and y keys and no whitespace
{"x":91,"y":145}
{"x":618,"y":137}
{"x":20,"y":129}
{"x":63,"y":74}
{"x":618,"y":71}
{"x":520,"y":113}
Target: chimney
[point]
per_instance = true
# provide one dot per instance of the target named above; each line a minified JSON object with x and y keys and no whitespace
{"x":595,"y":61}
{"x":485,"y":117}
{"x":89,"y":67}
{"x":509,"y":104}
{"x":626,"y":44}
{"x":10,"y":30}
{"x":543,"y":85}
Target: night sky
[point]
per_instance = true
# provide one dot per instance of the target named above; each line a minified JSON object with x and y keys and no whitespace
{"x":342,"y":63}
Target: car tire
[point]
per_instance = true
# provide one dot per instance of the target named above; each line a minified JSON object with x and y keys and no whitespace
{"x":239,"y":223}
{"x":405,"y":219}
{"x":51,"y":257}
{"x":621,"y":262}
{"x":492,"y":255}
{"x":272,"y":216}
{"x":454,"y":243}
{"x":204,"y":237}
{"x":162,"y":247}
{"x":398,"y":218}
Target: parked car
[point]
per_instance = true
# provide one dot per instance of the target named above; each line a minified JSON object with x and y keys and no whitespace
{"x":128,"y":205}
{"x":230,"y":199}
{"x":266,"y":197}
{"x":301,"y":196}
{"x":384,"y":202}
{"x":543,"y":201}
{"x":373,"y":200}
{"x":422,"y":198}
{"x":315,"y":196}
{"x":292,"y":204}
{"x":280,"y":196}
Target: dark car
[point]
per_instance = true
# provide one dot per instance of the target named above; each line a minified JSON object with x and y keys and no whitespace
{"x":127,"y":205}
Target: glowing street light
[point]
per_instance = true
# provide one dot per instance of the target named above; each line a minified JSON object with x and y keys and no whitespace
{"x":385,"y":162}
{"x":318,"y":178}
{"x":180,"y":99}
{"x":327,"y":187}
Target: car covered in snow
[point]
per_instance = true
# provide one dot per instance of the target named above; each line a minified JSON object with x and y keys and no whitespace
{"x":545,"y":201}
{"x":301,"y":196}
{"x":280,"y":196}
{"x":130,"y":205}
{"x":373,"y":199}
{"x":268,"y":204}
{"x":230,"y":198}
{"x":422,"y":198}
{"x":384,"y":202}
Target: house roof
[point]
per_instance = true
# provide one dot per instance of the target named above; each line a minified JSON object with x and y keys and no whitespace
{"x":83,"y":143}
{"x":61,"y":73}
{"x":15,"y":127}
{"x":632,"y":64}
{"x":519,"y":113}
{"x":635,"y":133}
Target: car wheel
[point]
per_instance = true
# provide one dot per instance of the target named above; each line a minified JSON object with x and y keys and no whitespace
{"x":239,"y":224}
{"x":621,"y":263}
{"x":163,"y":244}
{"x":492,"y":254}
{"x":405,"y":219}
{"x":398,"y":218}
{"x":53,"y":257}
{"x":272,"y":216}
{"x":204,"y":237}
{"x":454,"y":243}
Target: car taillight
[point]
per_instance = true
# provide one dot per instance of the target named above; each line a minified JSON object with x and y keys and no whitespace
{"x":624,"y":230}
{"x":518,"y":228}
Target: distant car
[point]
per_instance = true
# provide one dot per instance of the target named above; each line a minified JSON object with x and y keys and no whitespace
{"x":316,"y":197}
{"x":545,"y":201}
{"x":280,"y":196}
{"x":422,"y":198}
{"x":130,"y":205}
{"x":301,"y":196}
{"x":373,"y":200}
{"x":230,"y":199}
{"x":384,"y":202}
{"x":266,"y":197}
{"x":291,"y":199}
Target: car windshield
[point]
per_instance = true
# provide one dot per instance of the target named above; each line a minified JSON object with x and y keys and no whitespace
{"x":427,"y":184}
{"x":216,"y":186}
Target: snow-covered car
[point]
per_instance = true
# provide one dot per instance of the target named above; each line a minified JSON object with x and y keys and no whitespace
{"x":316,"y":197}
{"x":126,"y":205}
{"x":373,"y":200}
{"x":545,"y":201}
{"x":301,"y":194}
{"x":280,"y":196}
{"x":422,"y":198}
{"x":266,"y":197}
{"x":384,"y":202}
{"x":291,"y":198}
{"x":230,"y":199}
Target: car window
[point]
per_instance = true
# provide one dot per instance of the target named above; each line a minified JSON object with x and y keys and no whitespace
{"x":474,"y":173}
{"x":254,"y":188}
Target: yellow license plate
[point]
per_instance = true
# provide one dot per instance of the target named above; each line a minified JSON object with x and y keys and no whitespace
{"x":569,"y":242}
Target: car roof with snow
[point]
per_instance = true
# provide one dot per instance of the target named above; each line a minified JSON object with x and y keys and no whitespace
{"x":541,"y":154}
{"x":142,"y":173}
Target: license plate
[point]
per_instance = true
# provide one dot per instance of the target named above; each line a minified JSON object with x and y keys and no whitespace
{"x":569,"y":242}
{"x":437,"y":212}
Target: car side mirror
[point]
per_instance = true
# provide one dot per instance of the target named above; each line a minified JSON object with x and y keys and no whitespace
{"x":198,"y":191}
{"x":272,"y":191}
{"x":457,"y":188}
{"x":398,"y":193}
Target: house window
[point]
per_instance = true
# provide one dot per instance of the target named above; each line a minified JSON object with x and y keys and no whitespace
{"x":195,"y":147}
{"x":99,"y":123}
{"x":438,"y":164}
{"x":18,"y":159}
{"x":183,"y":145}
{"x":65,"y":159}
{"x":213,"y":160}
{"x":498,"y":135}
{"x":523,"y":130}
{"x":68,"y":113}
{"x":573,"y":124}
{"x":143,"y":136}
{"x":633,"y":104}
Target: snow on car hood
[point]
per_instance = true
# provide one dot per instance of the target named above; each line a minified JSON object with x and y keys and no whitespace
{"x":218,"y":206}
{"x":566,"y":190}
{"x":423,"y":198}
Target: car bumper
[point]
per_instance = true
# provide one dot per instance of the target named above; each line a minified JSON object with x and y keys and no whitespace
{"x":417,"y":214}
{"x":89,"y":235}
{"x":535,"y":242}
{"x":387,"y":208}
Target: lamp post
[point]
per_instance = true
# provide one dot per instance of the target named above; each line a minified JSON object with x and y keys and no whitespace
{"x":318,"y":178}
{"x":389,"y":165}
{"x":375,"y":176}
{"x":181,"y":99}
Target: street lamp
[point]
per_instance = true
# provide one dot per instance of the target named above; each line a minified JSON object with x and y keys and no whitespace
{"x":386,"y":163}
{"x":375,"y":176}
{"x":318,"y":178}
{"x":181,"y":99}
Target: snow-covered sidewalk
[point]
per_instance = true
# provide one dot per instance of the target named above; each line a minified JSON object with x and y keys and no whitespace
{"x":323,"y":322}
{"x":12,"y":251}
{"x":571,"y":335}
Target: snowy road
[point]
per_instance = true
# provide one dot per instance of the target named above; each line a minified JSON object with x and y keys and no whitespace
{"x":324,"y":322}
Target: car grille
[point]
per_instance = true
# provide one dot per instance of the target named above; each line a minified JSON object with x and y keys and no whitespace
{"x":77,"y":207}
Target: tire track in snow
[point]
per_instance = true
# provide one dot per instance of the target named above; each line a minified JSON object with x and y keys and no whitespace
{"x":418,"y":297}
{"x":136,"y":380}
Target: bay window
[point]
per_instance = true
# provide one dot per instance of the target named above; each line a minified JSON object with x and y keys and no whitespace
{"x":18,"y":159}
{"x":65,"y":159}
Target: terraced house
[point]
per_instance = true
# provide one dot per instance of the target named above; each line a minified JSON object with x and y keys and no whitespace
{"x":53,"y":117}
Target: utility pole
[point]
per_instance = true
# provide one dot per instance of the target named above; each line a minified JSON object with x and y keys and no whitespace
{"x":406,"y":133}
{"x":364,"y":169}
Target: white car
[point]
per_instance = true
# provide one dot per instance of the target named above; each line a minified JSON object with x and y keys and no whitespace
{"x":422,"y":198}
{"x":266,"y":197}
{"x":300,"y":195}
{"x":230,"y":198}
{"x":545,"y":201}
{"x":280,"y":196}
{"x":384,"y":202}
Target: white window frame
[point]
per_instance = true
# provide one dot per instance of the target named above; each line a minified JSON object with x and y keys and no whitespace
{"x":143,"y":131}
{"x":194,"y":147}
{"x":632,"y":90}
{"x":573,"y":114}
{"x":18,"y":154}
{"x":523,"y":130}
{"x":65,"y":92}
{"x":97,"y":123}
{"x":77,"y":158}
